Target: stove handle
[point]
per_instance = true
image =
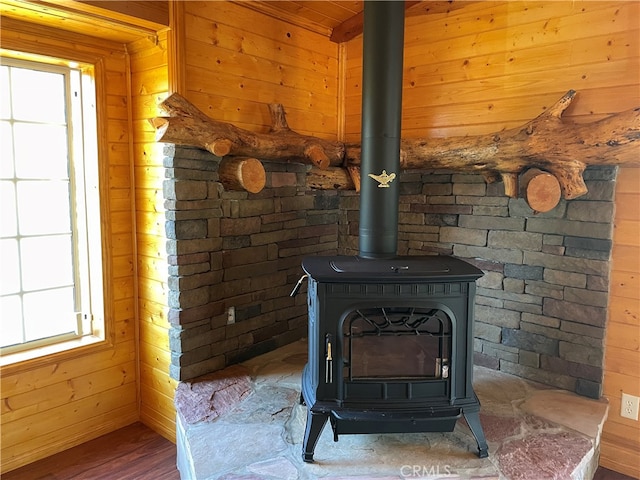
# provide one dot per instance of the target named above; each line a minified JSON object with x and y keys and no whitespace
{"x":296,"y":289}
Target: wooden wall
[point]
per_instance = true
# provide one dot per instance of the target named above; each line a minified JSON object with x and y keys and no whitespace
{"x":150,"y":84}
{"x":237,"y":61}
{"x":66,"y":399}
{"x":621,"y":438}
{"x":496,"y":65}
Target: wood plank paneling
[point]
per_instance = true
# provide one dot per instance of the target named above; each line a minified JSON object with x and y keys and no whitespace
{"x":620,"y":449}
{"x":232,"y":71}
{"x":486,"y":67}
{"x":150,"y":84}
{"x":67,"y":399}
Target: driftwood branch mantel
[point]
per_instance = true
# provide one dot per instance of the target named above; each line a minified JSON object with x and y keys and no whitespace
{"x":551,"y":152}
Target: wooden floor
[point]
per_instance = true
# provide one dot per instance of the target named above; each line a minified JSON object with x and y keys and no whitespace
{"x":132,"y":453}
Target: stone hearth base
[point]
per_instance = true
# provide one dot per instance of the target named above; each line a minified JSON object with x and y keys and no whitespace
{"x":245,"y":423}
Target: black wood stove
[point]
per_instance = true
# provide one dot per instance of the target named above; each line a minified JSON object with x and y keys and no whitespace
{"x":390,"y":346}
{"x":390,"y":337}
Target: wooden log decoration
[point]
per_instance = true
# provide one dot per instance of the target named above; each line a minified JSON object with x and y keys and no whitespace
{"x":332,"y":178}
{"x":187,"y":125}
{"x":562,"y":149}
{"x":540,"y":189}
{"x":242,"y":173}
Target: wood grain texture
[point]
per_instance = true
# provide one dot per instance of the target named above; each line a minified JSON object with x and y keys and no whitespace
{"x":134,"y":452}
{"x":621,"y":436}
{"x":150,"y":85}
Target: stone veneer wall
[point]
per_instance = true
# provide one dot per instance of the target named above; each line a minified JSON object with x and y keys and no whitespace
{"x":235,"y":249}
{"x":541,"y":306}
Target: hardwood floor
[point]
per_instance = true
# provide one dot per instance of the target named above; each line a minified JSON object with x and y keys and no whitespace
{"x":132,"y":453}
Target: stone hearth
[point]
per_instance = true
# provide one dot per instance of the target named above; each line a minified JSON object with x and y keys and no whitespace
{"x":245,"y":423}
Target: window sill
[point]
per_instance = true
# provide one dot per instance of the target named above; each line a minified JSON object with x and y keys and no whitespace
{"x":39,"y":356}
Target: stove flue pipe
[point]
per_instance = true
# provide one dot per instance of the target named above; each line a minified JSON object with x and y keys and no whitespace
{"x":383,"y":46}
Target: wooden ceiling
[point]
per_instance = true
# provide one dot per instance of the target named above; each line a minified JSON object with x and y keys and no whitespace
{"x":125,"y":21}
{"x":339,"y":20}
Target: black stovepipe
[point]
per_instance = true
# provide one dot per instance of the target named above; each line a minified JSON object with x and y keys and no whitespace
{"x":383,"y":45}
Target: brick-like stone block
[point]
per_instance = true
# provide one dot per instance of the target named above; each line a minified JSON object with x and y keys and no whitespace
{"x":191,"y":282}
{"x":184,"y":270}
{"x":550,"y":322}
{"x":529,"y":359}
{"x":556,"y":333}
{"x":244,"y":256}
{"x":586,"y":297}
{"x":600,"y":172}
{"x":239,"y":226}
{"x":501,"y":352}
{"x":470,"y":189}
{"x":435,"y":177}
{"x":491,"y":210}
{"x":190,"y":298}
{"x":599,"y":190}
{"x":186,"y":229}
{"x":437,"y":189}
{"x":523,"y":307}
{"x":578,"y":370}
{"x":487,"y":361}
{"x":524,"y":272}
{"x":255,"y":208}
{"x":498,"y":316}
{"x":567,"y":227}
{"x":513,"y":297}
{"x":557,"y":380}
{"x":486,"y":331}
{"x":567,"y":264}
{"x":466,"y":236}
{"x":520,"y":240}
{"x":530,"y":341}
{"x":491,"y":223}
{"x":580,"y":354}
{"x":184,"y":189}
{"x":586,"y":314}
{"x":283,"y":179}
{"x":491,"y":280}
{"x":487,"y":253}
{"x":598,"y":283}
{"x":326,"y":202}
{"x":561,"y":277}
{"x":189,"y":372}
{"x":587,"y":211}
{"x":543,"y":289}
{"x":588,"y":388}
{"x":299,"y":202}
{"x":486,"y":201}
{"x":580,"y":243}
{"x":513,"y":285}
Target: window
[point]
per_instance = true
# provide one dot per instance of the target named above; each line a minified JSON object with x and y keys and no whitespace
{"x":50,"y":239}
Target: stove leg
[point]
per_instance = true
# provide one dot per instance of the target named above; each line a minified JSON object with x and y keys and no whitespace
{"x":315,"y":424}
{"x":473,"y":420}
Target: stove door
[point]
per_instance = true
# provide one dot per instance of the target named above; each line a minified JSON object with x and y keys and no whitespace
{"x":396,"y":353}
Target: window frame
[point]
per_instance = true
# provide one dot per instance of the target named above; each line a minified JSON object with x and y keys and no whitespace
{"x":95,"y":289}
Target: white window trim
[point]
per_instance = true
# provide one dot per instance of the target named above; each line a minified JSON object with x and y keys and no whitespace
{"x":90,"y":285}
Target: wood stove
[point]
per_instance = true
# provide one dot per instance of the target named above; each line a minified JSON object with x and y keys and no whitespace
{"x":390,"y":346}
{"x":390,"y":337}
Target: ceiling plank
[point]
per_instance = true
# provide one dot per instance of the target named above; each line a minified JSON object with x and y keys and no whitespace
{"x":352,"y":27}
